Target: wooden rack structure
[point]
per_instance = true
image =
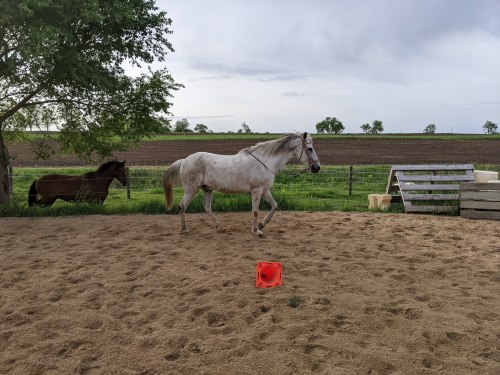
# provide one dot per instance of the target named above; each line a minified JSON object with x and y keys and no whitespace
{"x":428,"y":187}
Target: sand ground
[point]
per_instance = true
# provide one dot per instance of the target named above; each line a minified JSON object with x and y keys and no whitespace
{"x":380,"y":294}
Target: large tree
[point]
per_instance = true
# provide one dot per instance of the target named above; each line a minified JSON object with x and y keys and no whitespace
{"x":377,"y":127}
{"x":64,"y":65}
{"x":245,"y":128}
{"x":490,"y":127}
{"x":430,"y":129}
{"x":182,"y":126}
{"x":330,"y":125}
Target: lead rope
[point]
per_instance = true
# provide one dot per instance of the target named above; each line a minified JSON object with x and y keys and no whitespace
{"x":265,"y":166}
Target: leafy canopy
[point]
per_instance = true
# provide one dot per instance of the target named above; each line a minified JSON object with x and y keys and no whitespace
{"x":62,"y":66}
{"x":490,"y":127}
{"x":182,"y":126}
{"x":430,"y":129}
{"x":201,"y":128}
{"x":330,"y":125}
{"x":376,"y":127}
{"x":245,"y":128}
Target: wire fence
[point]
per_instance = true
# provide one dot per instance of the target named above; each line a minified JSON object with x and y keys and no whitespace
{"x":333,"y":188}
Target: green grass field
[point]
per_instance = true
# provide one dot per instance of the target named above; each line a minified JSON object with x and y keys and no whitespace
{"x":261,"y":136}
{"x":294,"y":189}
{"x":264,"y":136}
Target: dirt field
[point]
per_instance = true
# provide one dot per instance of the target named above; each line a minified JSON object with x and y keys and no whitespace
{"x":333,"y":152}
{"x":381,"y":294}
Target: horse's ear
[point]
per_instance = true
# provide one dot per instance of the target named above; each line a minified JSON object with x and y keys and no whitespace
{"x":305,"y":135}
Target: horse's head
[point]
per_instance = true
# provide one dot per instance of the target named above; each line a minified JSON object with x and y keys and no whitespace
{"x":120,"y":172}
{"x":307,"y":155}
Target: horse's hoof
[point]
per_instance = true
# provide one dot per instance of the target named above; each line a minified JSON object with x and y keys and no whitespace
{"x":259,"y":233}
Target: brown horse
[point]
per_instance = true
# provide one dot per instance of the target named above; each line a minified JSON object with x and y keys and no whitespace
{"x":90,"y":187}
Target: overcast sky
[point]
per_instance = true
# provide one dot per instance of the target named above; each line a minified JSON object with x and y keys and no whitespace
{"x":284,"y":65}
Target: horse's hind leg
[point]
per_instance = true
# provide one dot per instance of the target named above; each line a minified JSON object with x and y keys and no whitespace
{"x":207,"y":203}
{"x":269,"y":199}
{"x":183,"y":205}
{"x":47,"y":201}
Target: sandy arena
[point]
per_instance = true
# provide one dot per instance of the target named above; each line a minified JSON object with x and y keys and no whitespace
{"x":381,"y":294}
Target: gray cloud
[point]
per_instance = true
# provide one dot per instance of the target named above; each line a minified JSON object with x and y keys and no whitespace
{"x":408,"y":61}
{"x":293,"y":94}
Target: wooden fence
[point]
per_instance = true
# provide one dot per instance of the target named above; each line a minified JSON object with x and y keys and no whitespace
{"x":428,"y":187}
{"x":480,"y":200}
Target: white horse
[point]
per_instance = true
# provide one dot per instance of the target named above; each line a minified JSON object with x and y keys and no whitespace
{"x":252,"y":170}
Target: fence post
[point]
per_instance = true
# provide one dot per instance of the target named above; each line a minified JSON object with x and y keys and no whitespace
{"x":128,"y":182}
{"x":10,"y":178}
{"x":350,"y":180}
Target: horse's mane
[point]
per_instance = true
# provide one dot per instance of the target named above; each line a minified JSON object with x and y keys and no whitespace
{"x":276,"y":146}
{"x":104,"y":167}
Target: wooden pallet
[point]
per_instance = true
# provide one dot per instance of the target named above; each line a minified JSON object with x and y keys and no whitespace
{"x":428,"y":187}
{"x":480,"y":200}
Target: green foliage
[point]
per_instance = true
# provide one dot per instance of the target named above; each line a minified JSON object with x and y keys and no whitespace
{"x":430,"y":129}
{"x":201,"y":128}
{"x":245,"y":129}
{"x":375,"y":128}
{"x":366,"y":128}
{"x":182,"y":126}
{"x":62,"y":66}
{"x":330,"y":125}
{"x":490,"y":127}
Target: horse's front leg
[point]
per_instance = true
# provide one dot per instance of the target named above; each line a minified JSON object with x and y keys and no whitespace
{"x":207,"y":203}
{"x":269,"y":199}
{"x":256,"y":195}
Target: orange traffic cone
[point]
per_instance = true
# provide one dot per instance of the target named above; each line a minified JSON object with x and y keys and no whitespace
{"x":268,"y":275}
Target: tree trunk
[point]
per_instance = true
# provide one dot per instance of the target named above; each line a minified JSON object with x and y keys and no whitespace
{"x":4,"y":172}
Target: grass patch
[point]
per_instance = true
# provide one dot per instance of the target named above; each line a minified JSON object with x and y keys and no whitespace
{"x":294,"y":189}
{"x":266,"y":136}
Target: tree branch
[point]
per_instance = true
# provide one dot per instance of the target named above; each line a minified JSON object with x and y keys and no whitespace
{"x":19,"y":105}
{"x":12,"y":94}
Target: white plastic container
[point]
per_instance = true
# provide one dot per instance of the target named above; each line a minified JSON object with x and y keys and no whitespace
{"x":373,"y":201}
{"x":380,"y":201}
{"x":384,"y":201}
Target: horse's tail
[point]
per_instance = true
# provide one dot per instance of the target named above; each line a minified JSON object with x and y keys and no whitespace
{"x":32,"y":194}
{"x":171,"y":179}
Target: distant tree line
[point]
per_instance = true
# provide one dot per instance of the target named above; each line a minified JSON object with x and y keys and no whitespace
{"x":332,"y":125}
{"x":183,"y":126}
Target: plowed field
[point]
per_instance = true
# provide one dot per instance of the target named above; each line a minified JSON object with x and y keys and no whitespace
{"x":331,"y":151}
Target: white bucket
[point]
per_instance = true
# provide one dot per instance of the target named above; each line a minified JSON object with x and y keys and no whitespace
{"x":380,"y":201}
{"x":384,"y":201}
{"x":373,"y":201}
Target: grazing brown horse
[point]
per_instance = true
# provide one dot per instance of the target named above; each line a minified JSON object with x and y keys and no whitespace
{"x":90,"y":187}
